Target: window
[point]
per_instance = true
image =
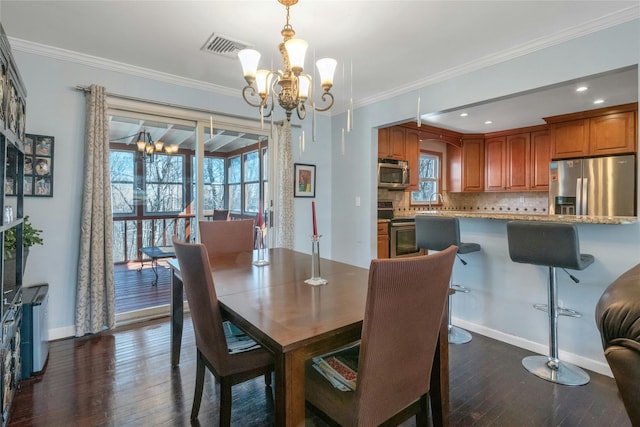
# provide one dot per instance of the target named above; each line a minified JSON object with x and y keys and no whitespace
{"x":251,"y":181}
{"x":235,"y":184}
{"x":429,"y":169}
{"x":122,"y":167}
{"x":214,"y":182}
{"x":164,"y":178}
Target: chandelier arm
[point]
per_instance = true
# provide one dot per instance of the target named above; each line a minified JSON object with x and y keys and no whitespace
{"x":324,"y":97}
{"x":252,"y":92}
{"x":301,"y":111}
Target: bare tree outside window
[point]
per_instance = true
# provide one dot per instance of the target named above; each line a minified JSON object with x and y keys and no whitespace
{"x":430,"y":172}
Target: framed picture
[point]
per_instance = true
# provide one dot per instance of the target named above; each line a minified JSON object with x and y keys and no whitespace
{"x":304,"y":180}
{"x":38,"y":165}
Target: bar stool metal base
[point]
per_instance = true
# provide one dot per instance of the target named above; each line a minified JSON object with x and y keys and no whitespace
{"x":565,"y":374}
{"x":458,"y":335}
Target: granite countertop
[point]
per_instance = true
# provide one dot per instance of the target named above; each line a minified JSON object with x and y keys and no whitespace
{"x":579,"y":219}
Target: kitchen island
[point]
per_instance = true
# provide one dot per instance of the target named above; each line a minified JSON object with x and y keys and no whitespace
{"x":508,"y":216}
{"x":500,"y":304}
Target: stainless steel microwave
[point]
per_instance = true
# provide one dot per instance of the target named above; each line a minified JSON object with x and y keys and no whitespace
{"x":393,"y":174}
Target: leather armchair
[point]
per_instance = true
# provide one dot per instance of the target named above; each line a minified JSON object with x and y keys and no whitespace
{"x":618,"y":320}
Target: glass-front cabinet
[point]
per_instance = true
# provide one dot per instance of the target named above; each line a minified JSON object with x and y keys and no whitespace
{"x":12,"y":136}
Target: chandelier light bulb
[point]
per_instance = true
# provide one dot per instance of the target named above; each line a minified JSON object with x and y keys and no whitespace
{"x":326,"y":69}
{"x":263,"y":82}
{"x":296,"y":50}
{"x":158,"y":145}
{"x":304,"y":84}
{"x":249,"y":60}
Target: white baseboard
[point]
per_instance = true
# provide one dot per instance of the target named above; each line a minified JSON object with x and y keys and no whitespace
{"x":60,"y":333}
{"x":584,"y":362}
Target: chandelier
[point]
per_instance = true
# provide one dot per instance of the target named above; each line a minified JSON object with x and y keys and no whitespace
{"x":148,"y":146}
{"x":292,"y":86}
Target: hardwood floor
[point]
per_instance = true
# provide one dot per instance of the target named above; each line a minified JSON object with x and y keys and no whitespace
{"x":124,"y":378}
{"x":134,"y":289}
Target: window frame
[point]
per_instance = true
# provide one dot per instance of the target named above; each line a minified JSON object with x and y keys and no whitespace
{"x":437,"y":180}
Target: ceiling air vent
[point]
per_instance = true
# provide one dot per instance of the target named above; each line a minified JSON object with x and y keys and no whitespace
{"x":223,"y":45}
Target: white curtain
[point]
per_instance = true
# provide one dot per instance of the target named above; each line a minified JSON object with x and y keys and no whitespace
{"x":95,"y":293}
{"x":284,"y":195}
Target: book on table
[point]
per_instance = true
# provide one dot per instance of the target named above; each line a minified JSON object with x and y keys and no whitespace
{"x":340,"y":367}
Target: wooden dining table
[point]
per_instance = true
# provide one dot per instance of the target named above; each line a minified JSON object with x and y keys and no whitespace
{"x":297,"y":321}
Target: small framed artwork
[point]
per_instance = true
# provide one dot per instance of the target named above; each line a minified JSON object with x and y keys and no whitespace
{"x":38,"y":165}
{"x":304,"y":180}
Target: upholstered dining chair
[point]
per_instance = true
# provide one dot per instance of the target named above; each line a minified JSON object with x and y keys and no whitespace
{"x":227,"y":237}
{"x":399,"y":337}
{"x":211,"y":345}
{"x":220,"y":215}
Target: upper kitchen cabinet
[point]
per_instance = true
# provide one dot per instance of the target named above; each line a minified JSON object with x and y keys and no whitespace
{"x":604,"y":131}
{"x":391,"y":143}
{"x":540,"y":159}
{"x":495,"y":162}
{"x":465,"y":165}
{"x":507,"y":162}
{"x":412,"y":153}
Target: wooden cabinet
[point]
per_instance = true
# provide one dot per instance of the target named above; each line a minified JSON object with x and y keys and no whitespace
{"x":594,"y":133}
{"x":612,"y":134}
{"x":495,"y":155}
{"x":507,"y":163}
{"x":570,"y":139}
{"x":465,"y":166}
{"x":412,"y":154}
{"x":518,"y":162}
{"x":540,"y":159}
{"x":383,"y":240}
{"x":391,"y":143}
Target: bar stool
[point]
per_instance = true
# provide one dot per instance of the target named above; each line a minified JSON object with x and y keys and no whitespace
{"x":437,"y":233}
{"x":553,"y":245}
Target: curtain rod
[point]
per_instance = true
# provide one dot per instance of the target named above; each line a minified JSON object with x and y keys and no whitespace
{"x":168,"y":104}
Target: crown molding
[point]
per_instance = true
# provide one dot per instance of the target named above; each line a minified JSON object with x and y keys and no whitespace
{"x":107,"y":64}
{"x":607,"y":21}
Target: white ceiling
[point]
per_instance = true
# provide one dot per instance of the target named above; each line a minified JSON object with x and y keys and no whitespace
{"x":391,"y":46}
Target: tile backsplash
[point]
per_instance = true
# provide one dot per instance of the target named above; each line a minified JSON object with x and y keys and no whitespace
{"x":525,"y":202}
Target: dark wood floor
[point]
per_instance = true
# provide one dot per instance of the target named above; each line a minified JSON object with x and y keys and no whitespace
{"x":124,"y":378}
{"x":134,"y":289}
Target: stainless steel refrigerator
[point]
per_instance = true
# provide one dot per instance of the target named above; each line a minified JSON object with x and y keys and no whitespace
{"x":600,"y":186}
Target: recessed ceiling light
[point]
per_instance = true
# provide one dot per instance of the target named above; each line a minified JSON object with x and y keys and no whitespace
{"x":488,"y":122}
{"x":581,"y":89}
{"x":464,"y":114}
{"x":598,"y":101}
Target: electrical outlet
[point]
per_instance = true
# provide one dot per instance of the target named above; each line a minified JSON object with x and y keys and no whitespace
{"x":357,"y":200}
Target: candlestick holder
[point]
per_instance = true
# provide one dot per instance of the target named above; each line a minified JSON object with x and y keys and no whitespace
{"x":315,"y":279}
{"x":261,"y":243}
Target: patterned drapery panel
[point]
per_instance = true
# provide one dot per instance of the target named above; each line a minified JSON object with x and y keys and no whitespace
{"x":95,"y":293}
{"x":284,"y":197}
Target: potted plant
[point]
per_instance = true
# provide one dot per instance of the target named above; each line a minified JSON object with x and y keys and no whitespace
{"x":30,"y":237}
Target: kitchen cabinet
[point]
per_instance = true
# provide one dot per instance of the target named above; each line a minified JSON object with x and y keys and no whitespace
{"x":495,"y":155}
{"x":594,"y":133}
{"x":613,"y":134}
{"x":540,"y":159}
{"x":465,"y":166}
{"x":518,"y":162}
{"x":412,"y":154}
{"x":383,"y":240}
{"x":391,"y":143}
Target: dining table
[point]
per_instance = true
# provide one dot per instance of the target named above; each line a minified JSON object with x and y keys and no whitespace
{"x":297,"y":321}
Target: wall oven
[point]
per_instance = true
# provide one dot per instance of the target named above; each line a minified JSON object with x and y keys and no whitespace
{"x":402,"y":238}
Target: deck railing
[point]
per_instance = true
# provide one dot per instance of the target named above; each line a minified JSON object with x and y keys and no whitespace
{"x":130,"y":233}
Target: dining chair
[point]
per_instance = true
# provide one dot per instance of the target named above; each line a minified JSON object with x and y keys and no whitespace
{"x":400,"y":331}
{"x":211,"y":345}
{"x":220,"y":215}
{"x":227,"y":237}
